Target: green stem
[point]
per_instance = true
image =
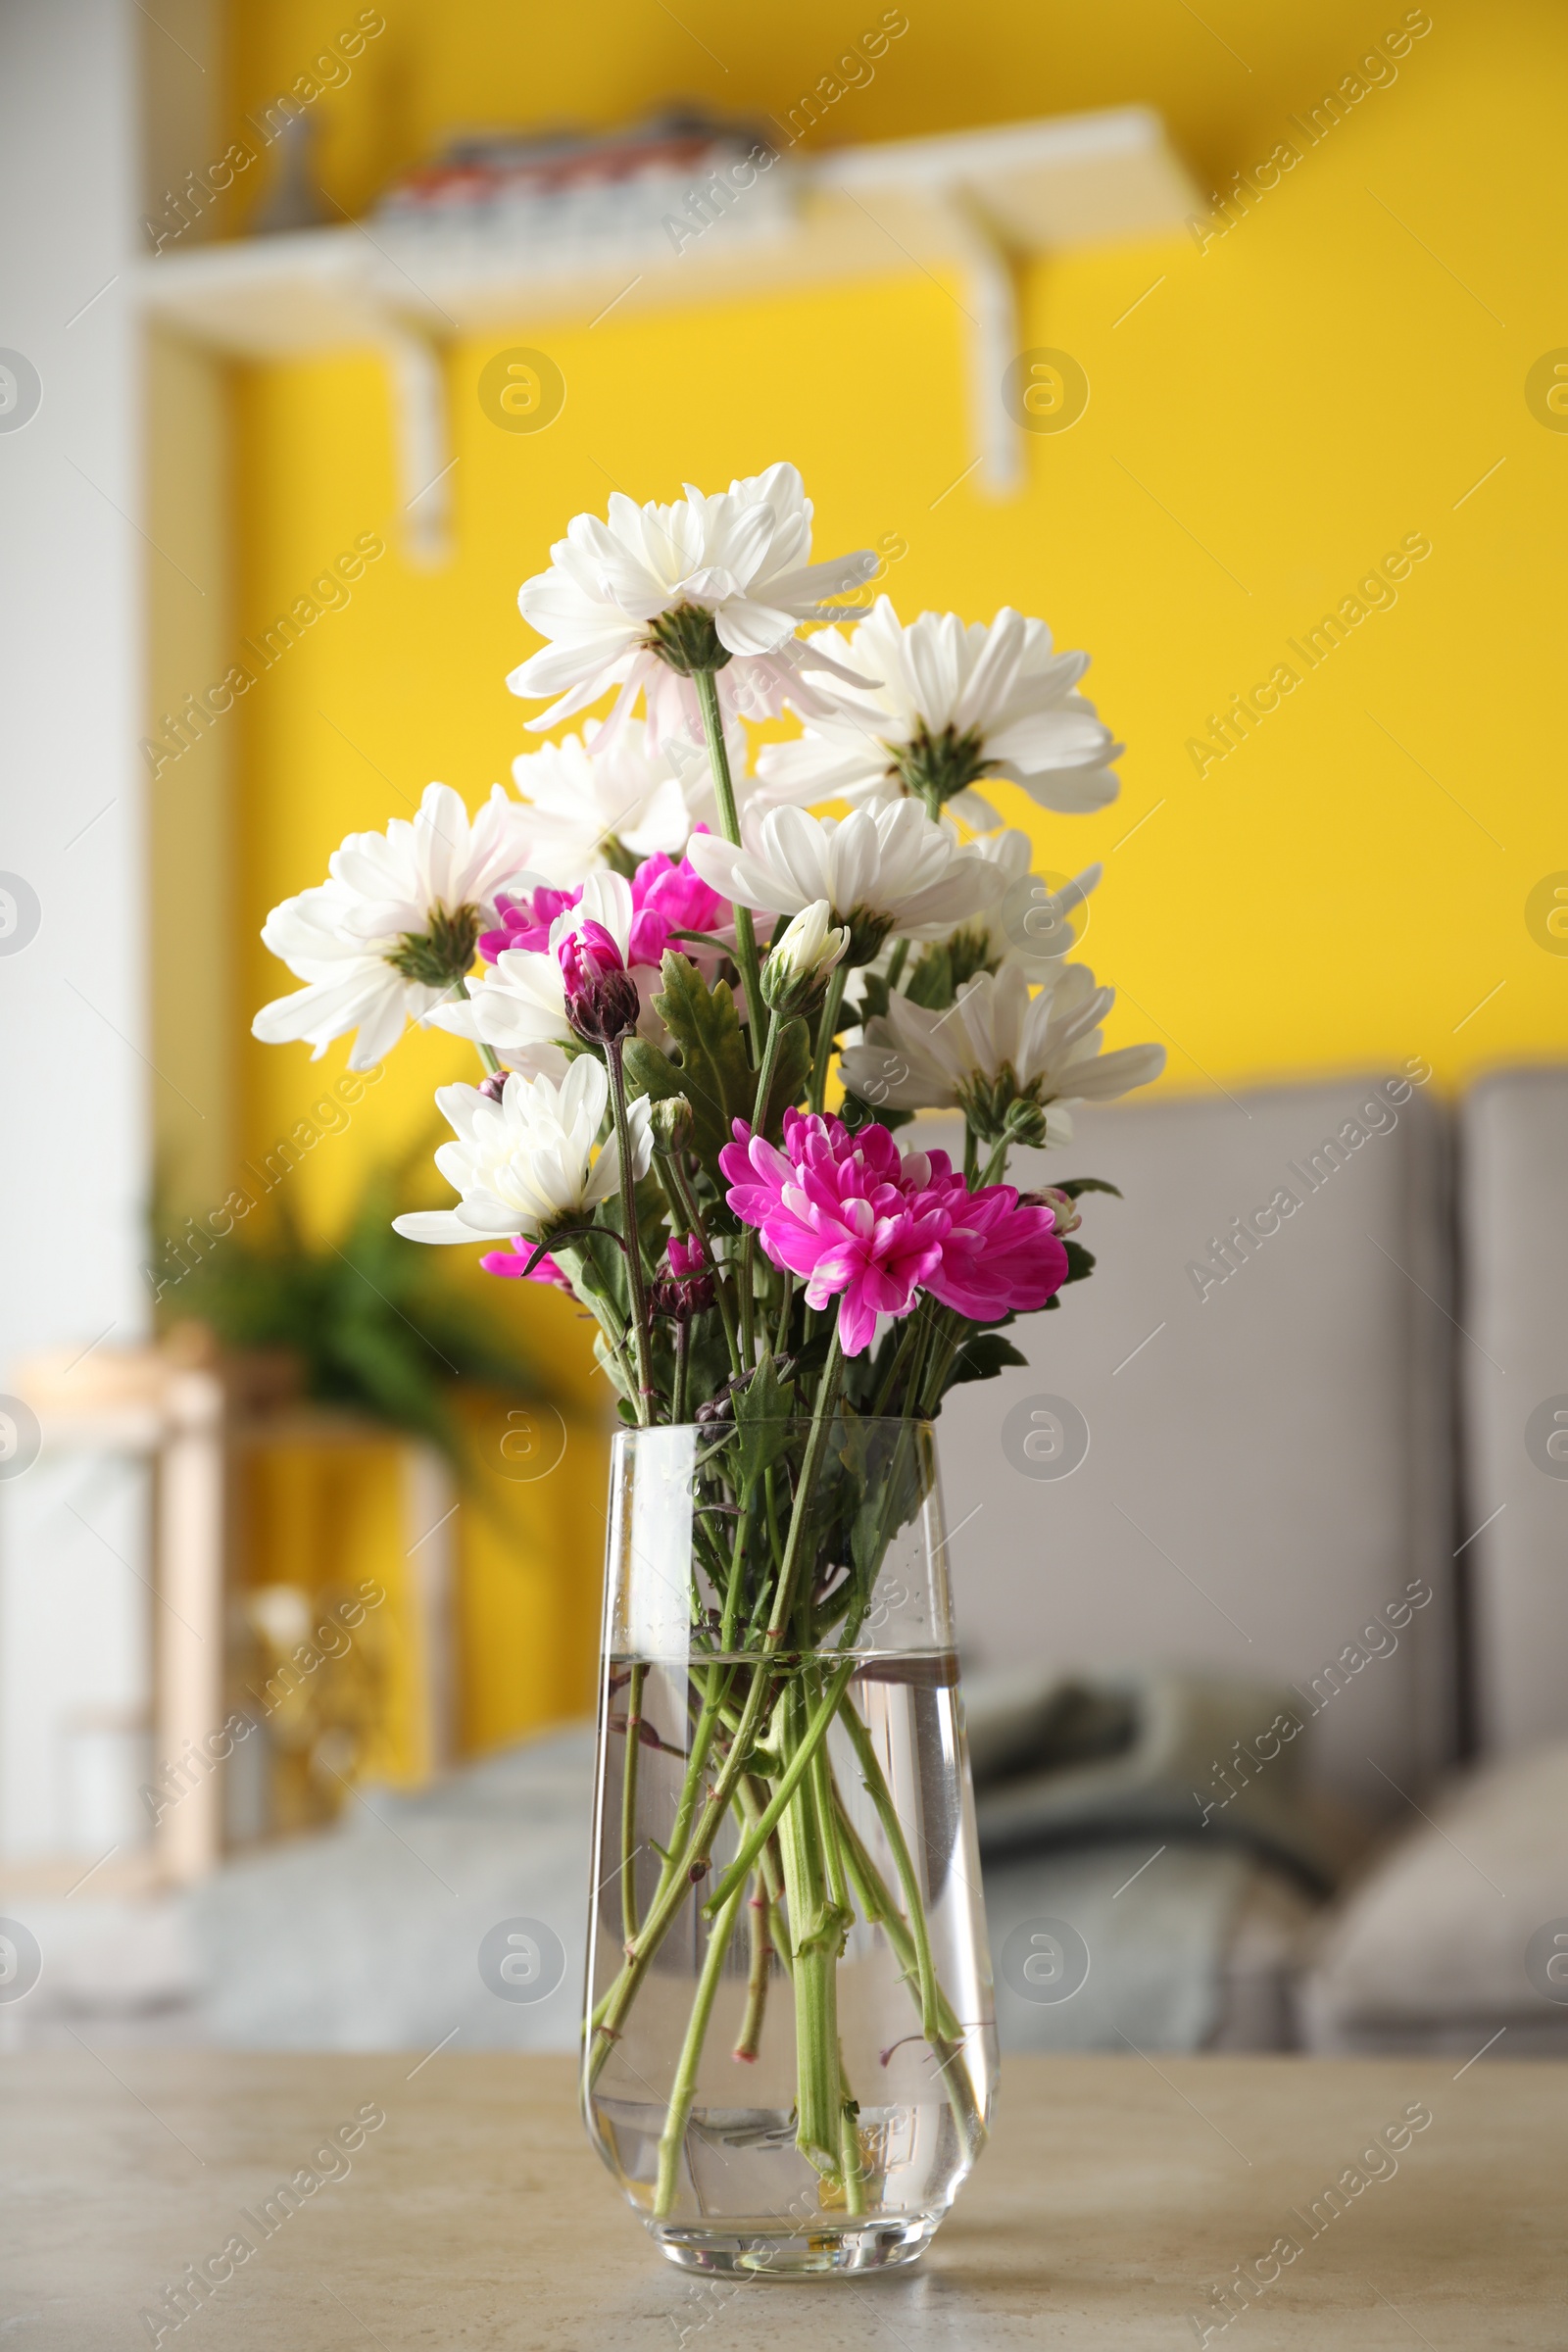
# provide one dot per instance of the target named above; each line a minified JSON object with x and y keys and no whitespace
{"x":826,"y":1819}
{"x":764,"y":1074}
{"x":682,"y":1870}
{"x":629,"y":1799}
{"x":685,"y":1867}
{"x":909,"y":1342}
{"x":948,"y":2046}
{"x":768,"y":1863}
{"x":945,"y":1345}
{"x":875,"y":1900}
{"x":787,"y":1281}
{"x":709,"y":1719}
{"x":878,"y":1790}
{"x":633,"y":1240}
{"x":749,"y":1243}
{"x":584,"y":1278}
{"x":725,"y":793}
{"x":765,"y":1087}
{"x":695,"y":1223}
{"x":683,"y":1340}
{"x":832,"y":1006}
{"x":761,"y":1960}
{"x":784,"y":1788}
{"x":817,"y":1929}
{"x":804,"y":1494}
{"x":684,"y":2087}
{"x":996,"y":1165}
{"x":488,"y":1058}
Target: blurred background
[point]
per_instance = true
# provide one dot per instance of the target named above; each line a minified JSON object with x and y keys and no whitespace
{"x":1227,"y":343}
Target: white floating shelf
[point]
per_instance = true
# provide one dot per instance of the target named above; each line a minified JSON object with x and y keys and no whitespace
{"x":972,"y":200}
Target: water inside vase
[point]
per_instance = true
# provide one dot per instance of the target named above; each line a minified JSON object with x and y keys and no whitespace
{"x":921,"y":2103}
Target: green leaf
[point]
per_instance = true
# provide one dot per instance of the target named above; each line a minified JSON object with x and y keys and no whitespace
{"x":1080,"y":1261}
{"x":883,"y":1502}
{"x":713,"y":1072}
{"x":874,"y":996}
{"x":763,"y":1411}
{"x":367,"y":1315}
{"x":653,"y":1073}
{"x":983,"y":1356}
{"x":1072,"y":1186}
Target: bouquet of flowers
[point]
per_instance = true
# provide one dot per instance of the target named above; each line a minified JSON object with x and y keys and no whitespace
{"x":664,"y":962}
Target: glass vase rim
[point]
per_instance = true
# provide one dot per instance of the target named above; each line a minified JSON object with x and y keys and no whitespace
{"x":923,"y":1423}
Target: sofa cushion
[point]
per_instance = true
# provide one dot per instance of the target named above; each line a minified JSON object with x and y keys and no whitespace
{"x":1513,"y":1368}
{"x":1248,"y":1465}
{"x":1460,"y":1931}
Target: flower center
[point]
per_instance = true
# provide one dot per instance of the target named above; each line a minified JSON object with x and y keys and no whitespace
{"x":999,"y":1107}
{"x":443,"y":953}
{"x":933,"y":768}
{"x":867,"y":930}
{"x":687,"y":639}
{"x":970,"y":950}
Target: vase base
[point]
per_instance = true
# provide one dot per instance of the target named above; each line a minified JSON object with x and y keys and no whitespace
{"x":833,"y":2250}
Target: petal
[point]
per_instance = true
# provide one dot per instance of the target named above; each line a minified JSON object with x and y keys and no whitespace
{"x":433,"y":1225}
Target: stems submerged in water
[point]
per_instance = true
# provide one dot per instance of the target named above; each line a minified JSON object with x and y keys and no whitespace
{"x":629,"y":1799}
{"x":683,"y":2088}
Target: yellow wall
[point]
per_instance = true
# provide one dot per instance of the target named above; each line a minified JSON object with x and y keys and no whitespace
{"x":1285,"y":405}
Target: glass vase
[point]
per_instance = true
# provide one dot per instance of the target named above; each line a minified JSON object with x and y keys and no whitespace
{"x":788,"y":2052}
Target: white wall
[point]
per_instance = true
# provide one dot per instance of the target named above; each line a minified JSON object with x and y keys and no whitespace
{"x":76,"y":1079}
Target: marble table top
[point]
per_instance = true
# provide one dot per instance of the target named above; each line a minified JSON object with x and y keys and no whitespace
{"x":1116,"y":2192}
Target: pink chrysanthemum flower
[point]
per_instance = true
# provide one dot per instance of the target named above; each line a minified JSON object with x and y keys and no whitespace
{"x":667,"y":897}
{"x":512,"y":1263}
{"x":872,"y":1227}
{"x":1000,"y":1255}
{"x":526,"y":921}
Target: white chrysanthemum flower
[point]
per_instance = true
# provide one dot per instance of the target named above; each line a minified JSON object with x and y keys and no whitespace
{"x":656,"y":592}
{"x":588,"y":791}
{"x":956,"y":704}
{"x":891,"y":870}
{"x":997,"y":1045}
{"x":394,"y":929}
{"x":529,"y":1162}
{"x":1029,"y":925}
{"x":519,"y":1008}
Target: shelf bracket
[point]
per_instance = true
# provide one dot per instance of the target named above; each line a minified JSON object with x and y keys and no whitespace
{"x":421,"y":431}
{"x":992,"y":303}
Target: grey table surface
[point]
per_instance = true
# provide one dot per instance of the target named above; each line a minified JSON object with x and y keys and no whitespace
{"x":1114,"y":2193}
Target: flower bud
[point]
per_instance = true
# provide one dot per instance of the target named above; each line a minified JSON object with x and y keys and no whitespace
{"x":602,"y":999}
{"x":672,"y":1123}
{"x":1025,"y":1123}
{"x":797,"y":970}
{"x":687,"y":1289}
{"x":1063,"y":1209}
{"x":493,"y":1086}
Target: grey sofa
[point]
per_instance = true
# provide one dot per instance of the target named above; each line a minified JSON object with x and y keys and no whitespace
{"x":1288,"y":1456}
